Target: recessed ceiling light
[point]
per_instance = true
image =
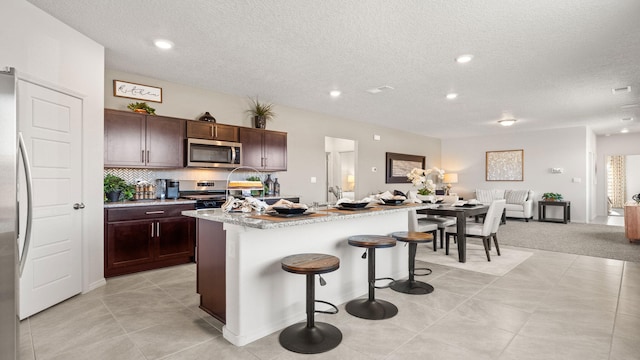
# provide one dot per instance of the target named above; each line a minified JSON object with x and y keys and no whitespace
{"x":462,"y":59}
{"x":335,"y":93}
{"x":507,"y":122}
{"x":626,"y":119}
{"x":621,"y":90}
{"x":452,"y":96}
{"x":163,"y":44}
{"x":624,"y":131}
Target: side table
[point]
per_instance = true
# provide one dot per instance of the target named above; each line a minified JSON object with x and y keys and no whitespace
{"x":566,"y":211}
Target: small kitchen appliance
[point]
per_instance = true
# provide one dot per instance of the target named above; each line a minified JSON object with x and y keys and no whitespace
{"x":173,"y":189}
{"x":161,"y":189}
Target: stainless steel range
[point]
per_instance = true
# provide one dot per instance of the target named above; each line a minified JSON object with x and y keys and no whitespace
{"x":206,"y":193}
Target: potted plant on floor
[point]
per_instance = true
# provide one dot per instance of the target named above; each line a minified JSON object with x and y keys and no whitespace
{"x":549,"y":196}
{"x":261,"y":112}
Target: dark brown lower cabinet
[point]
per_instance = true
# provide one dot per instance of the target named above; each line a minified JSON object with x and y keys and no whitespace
{"x":147,"y":237}
{"x":211,"y":283}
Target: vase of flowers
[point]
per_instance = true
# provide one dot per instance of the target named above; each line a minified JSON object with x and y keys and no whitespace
{"x":420,"y":179}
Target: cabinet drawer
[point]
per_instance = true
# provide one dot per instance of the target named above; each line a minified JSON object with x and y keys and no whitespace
{"x":146,"y":212}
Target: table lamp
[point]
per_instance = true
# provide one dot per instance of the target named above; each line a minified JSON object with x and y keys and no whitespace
{"x":450,"y":178}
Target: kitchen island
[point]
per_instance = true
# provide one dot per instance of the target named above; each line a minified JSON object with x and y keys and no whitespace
{"x":259,"y":297}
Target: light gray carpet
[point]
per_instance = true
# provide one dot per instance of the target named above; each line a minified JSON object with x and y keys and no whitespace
{"x":573,"y":238}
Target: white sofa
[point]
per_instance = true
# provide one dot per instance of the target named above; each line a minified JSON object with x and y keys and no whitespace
{"x":519,"y":202}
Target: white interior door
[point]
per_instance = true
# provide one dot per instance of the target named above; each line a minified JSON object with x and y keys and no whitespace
{"x":51,"y":124}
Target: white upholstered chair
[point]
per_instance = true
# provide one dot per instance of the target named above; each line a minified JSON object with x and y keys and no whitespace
{"x":486,"y":231}
{"x":417,"y":225}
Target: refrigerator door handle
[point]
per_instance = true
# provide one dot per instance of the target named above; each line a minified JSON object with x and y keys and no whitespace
{"x":27,"y":171}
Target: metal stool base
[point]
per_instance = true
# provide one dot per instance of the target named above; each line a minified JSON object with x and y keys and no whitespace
{"x":310,"y":340}
{"x":412,"y":287}
{"x":371,"y":309}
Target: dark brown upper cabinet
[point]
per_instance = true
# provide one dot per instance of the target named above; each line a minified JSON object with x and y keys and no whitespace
{"x":139,"y":140}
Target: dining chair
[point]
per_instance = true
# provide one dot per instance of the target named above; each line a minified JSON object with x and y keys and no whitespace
{"x":442,"y":222}
{"x":486,"y":231}
{"x":419,"y":225}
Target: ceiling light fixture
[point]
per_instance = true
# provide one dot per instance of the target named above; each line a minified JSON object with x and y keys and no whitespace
{"x":163,"y":44}
{"x":335,"y":93}
{"x":624,"y":131}
{"x":452,"y":96}
{"x":463,"y":59}
{"x":507,"y":122}
{"x":379,"y":89}
{"x":620,"y":90}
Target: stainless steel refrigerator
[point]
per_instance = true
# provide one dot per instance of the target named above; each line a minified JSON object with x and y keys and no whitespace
{"x":11,"y":253}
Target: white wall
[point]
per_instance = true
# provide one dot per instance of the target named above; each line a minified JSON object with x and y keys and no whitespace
{"x":306,"y":137}
{"x":543,"y":150}
{"x":43,"y":49}
{"x":619,"y":144}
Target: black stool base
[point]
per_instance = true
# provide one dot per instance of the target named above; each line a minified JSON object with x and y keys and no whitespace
{"x":304,"y":340}
{"x":371,"y":309}
{"x":412,"y":287}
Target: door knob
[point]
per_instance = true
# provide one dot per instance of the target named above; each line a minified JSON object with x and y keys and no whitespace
{"x":78,"y":206}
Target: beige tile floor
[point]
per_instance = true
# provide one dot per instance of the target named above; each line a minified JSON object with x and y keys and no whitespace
{"x":552,"y":306}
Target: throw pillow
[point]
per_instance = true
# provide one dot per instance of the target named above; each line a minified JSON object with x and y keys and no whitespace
{"x":516,"y":196}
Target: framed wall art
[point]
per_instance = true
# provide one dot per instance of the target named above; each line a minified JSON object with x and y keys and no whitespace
{"x":505,"y":165}
{"x":399,"y":165}
{"x":137,"y":91}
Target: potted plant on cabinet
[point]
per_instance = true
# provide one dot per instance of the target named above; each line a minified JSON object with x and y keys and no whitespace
{"x":261,"y":112}
{"x":142,"y":107}
{"x":549,"y":196}
{"x":113,"y":187}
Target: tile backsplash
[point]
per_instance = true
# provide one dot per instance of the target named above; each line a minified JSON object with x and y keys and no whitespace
{"x":131,"y":176}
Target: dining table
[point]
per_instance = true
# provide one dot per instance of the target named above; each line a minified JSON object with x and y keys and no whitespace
{"x":460,"y":213}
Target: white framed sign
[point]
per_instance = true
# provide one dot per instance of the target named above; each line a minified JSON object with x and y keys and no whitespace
{"x":137,"y":91}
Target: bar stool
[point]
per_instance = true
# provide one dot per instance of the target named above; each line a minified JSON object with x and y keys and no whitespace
{"x":311,"y":337}
{"x":371,"y":308}
{"x":412,"y":286}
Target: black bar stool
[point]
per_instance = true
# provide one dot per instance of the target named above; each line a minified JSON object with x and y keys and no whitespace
{"x":371,"y":308}
{"x":311,"y":337}
{"x":412,"y":286}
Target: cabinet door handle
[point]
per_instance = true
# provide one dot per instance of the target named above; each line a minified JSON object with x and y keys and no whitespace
{"x":147,"y":156}
{"x":142,"y":156}
{"x":152,"y":230}
{"x":211,"y":128}
{"x":158,"y":229}
{"x":216,"y":135}
{"x":154,"y":212}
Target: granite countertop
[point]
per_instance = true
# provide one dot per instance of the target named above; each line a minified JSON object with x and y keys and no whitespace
{"x":155,"y":202}
{"x":261,"y":221}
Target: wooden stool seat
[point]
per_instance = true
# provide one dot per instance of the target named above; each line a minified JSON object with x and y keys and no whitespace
{"x":311,"y":337}
{"x":372,"y":241}
{"x":372,"y":308}
{"x":310,"y":263}
{"x":413,"y":237}
{"x":411,"y":286}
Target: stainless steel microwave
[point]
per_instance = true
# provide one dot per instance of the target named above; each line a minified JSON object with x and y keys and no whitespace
{"x":213,"y":154}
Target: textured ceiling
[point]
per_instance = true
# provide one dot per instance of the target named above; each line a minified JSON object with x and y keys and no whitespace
{"x":548,"y":63}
